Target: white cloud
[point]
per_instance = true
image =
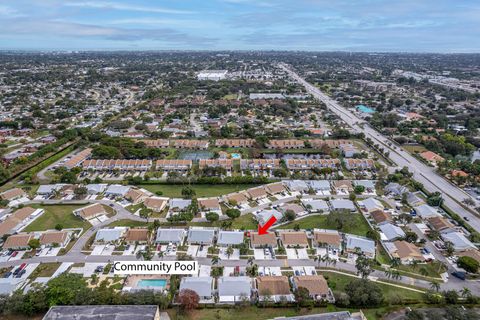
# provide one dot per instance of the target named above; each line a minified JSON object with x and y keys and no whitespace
{"x":126,"y":7}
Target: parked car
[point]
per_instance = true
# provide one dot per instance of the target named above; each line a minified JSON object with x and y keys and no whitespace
{"x":460,"y":275}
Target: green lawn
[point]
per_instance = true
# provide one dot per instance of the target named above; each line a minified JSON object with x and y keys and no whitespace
{"x":127,"y":223}
{"x":337,"y":282}
{"x":57,"y":214}
{"x":45,"y":270}
{"x":175,"y":191}
{"x":359,"y":227}
{"x":246,"y":222}
{"x":416,"y":148}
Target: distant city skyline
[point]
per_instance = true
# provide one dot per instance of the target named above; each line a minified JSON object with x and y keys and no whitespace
{"x":443,"y":26}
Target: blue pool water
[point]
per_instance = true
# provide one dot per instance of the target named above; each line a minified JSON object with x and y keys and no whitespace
{"x":236,"y":156}
{"x":364,"y":109}
{"x":152,"y":283}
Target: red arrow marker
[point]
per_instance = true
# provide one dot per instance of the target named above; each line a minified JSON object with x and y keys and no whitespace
{"x":264,"y":229}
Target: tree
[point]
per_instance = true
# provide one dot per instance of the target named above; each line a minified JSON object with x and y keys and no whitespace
{"x":364,"y":266}
{"x":188,"y":192}
{"x":212,"y":216}
{"x":414,"y":315}
{"x":229,"y":251}
{"x":364,"y":293}
{"x":34,"y":244}
{"x":468,"y":263}
{"x":340,"y":219}
{"x":302,"y":295}
{"x":188,"y":299}
{"x":359,"y":189}
{"x":58,"y":227}
{"x":232,"y":213}
{"x":435,"y":285}
{"x":290,"y":215}
{"x":64,"y":289}
{"x":451,"y":296}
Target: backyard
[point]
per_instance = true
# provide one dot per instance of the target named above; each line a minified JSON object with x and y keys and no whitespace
{"x":57,"y":214}
{"x":358,"y":226}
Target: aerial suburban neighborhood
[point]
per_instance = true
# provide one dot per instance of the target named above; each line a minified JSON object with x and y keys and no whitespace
{"x":238,"y":159}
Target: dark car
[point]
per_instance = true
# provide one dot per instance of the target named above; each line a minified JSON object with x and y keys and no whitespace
{"x":460,"y":275}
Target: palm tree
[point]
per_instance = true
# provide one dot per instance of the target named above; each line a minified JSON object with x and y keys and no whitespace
{"x":414,"y":264}
{"x":389,"y":273}
{"x":435,"y":285}
{"x":250,"y":260}
{"x":395,"y":262}
{"x":229,"y":251}
{"x":423,"y":271}
{"x":215,"y":260}
{"x":465,"y":292}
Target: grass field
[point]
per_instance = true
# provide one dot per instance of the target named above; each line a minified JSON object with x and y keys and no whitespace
{"x":359,"y":227}
{"x":243,"y":222}
{"x":57,"y":214}
{"x":416,"y":148}
{"x":45,"y":270}
{"x":337,"y":282}
{"x":175,"y":191}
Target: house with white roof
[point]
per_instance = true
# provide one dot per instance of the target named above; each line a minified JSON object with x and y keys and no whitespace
{"x":426,"y":212}
{"x":96,"y":188}
{"x":110,"y":235}
{"x":229,"y":238}
{"x":234,"y":289}
{"x":315,"y":205}
{"x":203,"y":286}
{"x":458,"y":240}
{"x":265,"y":215}
{"x":174,"y":236}
{"x":391,"y":232}
{"x":200,"y":235}
{"x":363,"y":245}
{"x":117,"y":190}
{"x":339,"y":204}
{"x":371,"y":204}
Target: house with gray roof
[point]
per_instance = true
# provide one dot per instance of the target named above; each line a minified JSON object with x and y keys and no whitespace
{"x":229,"y":238}
{"x":371,"y":204}
{"x":110,"y":235}
{"x":391,"y":232}
{"x":117,"y":190}
{"x":96,"y":188}
{"x":201,"y":285}
{"x":426,"y":212}
{"x":315,"y":205}
{"x":265,"y":215}
{"x":177,"y":204}
{"x":458,"y":240}
{"x":369,"y":185}
{"x":395,"y":189}
{"x":366,"y":246}
{"x":199,"y":235}
{"x":297,"y":185}
{"x":320,"y":185}
{"x":414,"y":200}
{"x":174,"y":236}
{"x":339,"y":204}
{"x":234,"y":289}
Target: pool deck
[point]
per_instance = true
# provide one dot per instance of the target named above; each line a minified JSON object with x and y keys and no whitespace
{"x":131,"y":283}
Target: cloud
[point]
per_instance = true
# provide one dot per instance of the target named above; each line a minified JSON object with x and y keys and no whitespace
{"x":9,"y":12}
{"x":124,"y":7}
{"x":77,"y":30}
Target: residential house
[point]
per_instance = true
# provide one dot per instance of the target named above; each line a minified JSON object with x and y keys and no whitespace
{"x":316,"y":285}
{"x":309,"y":164}
{"x":110,"y":235}
{"x":285,"y":144}
{"x":156,"y":204}
{"x":235,"y":143}
{"x":275,"y":188}
{"x":342,"y":204}
{"x":297,"y":209}
{"x":370,"y":204}
{"x":426,"y":212}
{"x":137,"y":235}
{"x":391,"y":232}
{"x":229,"y":238}
{"x":200,"y":235}
{"x":440,"y":223}
{"x":294,"y":239}
{"x":18,"y":241}
{"x":265,"y":215}
{"x":458,"y":240}
{"x":257,"y":193}
{"x":234,"y":289}
{"x":274,"y":288}
{"x":414,"y":200}
{"x":90,"y":211}
{"x":55,"y":238}
{"x":174,"y":236}
{"x":12,"y":194}
{"x":258,"y":165}
{"x":320,"y":186}
{"x":342,"y":186}
{"x":136,"y":196}
{"x":297,"y":186}
{"x":176,"y":165}
{"x":117,"y":164}
{"x":315,"y":205}
{"x":359,"y":164}
{"x":190,"y":144}
{"x":209,"y":205}
{"x":263,"y":240}
{"x":363,"y":245}
{"x":380,"y":216}
{"x":239,"y":199}
{"x":117,"y":190}
{"x":177,"y":204}
{"x":203,"y":286}
{"x":395,"y":189}
{"x":330,"y":239}
{"x":431,"y":157}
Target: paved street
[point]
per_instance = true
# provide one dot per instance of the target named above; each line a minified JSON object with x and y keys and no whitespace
{"x":421,"y":172}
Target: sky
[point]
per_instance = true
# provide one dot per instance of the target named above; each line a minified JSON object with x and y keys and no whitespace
{"x":312,"y":25}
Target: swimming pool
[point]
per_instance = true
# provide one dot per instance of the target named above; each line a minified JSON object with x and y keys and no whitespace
{"x":143,"y":283}
{"x":236,"y":156}
{"x":364,"y":109}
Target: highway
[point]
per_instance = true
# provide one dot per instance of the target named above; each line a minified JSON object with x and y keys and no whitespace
{"x":422,"y":173}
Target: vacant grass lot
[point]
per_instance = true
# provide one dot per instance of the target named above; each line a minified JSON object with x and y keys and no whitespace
{"x":175,"y":191}
{"x":57,"y":214}
{"x":415,"y":148}
{"x":337,"y":282}
{"x":359,"y":225}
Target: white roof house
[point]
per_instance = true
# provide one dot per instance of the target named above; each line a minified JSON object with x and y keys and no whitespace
{"x":265,"y":215}
{"x":201,"y":285}
{"x":458,"y":239}
{"x":368,"y":184}
{"x":371,"y":204}
{"x":117,"y":190}
{"x":96,"y":188}
{"x":234,"y":289}
{"x":49,"y":188}
{"x":179,"y":204}
{"x":391,"y":232}
{"x":320,"y":185}
{"x":110,"y":234}
{"x":338,"y":204}
{"x":226,"y":238}
{"x":425,"y":211}
{"x":200,"y":235}
{"x":174,"y":236}
{"x":365,"y":245}
{"x":297,"y":185}
{"x":315,"y":205}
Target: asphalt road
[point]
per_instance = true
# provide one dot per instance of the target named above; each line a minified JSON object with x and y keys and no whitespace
{"x":422,"y":173}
